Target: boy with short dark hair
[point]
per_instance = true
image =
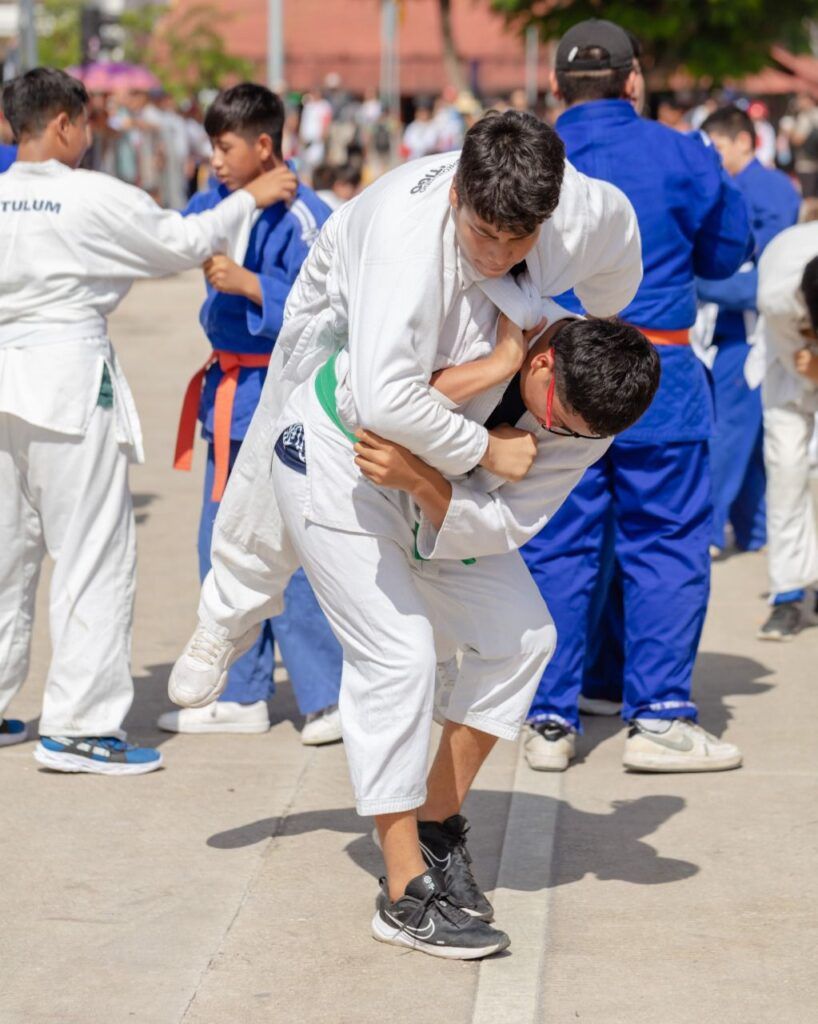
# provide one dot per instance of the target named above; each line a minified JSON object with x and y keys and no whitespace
{"x":242,"y":316}
{"x":72,"y":242}
{"x":404,"y":281}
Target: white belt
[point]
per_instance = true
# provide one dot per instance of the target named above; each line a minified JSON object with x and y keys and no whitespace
{"x":29,"y":335}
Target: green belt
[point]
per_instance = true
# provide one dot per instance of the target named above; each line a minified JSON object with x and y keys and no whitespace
{"x":326,"y":383}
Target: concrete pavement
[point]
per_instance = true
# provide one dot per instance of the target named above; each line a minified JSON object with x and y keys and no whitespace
{"x":237,"y":884}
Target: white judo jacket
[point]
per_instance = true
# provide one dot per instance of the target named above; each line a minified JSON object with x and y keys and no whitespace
{"x":784,"y":315}
{"x":71,"y":245}
{"x":387,"y":283}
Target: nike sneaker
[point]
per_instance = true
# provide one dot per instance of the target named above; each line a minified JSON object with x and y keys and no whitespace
{"x":443,"y":845}
{"x":549,"y":746}
{"x":784,"y":622}
{"x":676,"y":745}
{"x":426,"y":919}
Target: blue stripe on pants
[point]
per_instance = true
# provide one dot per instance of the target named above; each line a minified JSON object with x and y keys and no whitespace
{"x":659,"y":500}
{"x":309,"y":649}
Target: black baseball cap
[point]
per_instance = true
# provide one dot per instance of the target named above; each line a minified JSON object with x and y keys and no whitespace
{"x":614,"y":40}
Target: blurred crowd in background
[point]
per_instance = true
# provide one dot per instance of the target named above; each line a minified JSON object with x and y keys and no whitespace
{"x":338,"y":141}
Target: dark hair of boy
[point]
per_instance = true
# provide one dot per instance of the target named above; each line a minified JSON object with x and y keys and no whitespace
{"x":730,"y":122}
{"x":606,"y":371}
{"x":248,"y":110}
{"x":323,"y":178}
{"x":35,"y":98}
{"x":349,"y":174}
{"x":510,"y":170}
{"x":809,"y":288}
{"x":584,"y":86}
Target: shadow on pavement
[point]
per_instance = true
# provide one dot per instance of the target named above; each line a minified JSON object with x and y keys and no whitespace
{"x":142,"y":501}
{"x":607,"y":846}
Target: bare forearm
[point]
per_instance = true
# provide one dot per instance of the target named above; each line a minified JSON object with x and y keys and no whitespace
{"x":433,"y":495}
{"x":461,"y":383}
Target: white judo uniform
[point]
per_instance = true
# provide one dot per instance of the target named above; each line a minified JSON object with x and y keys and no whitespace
{"x":71,"y":245}
{"x":790,"y":405}
{"x":387,"y":287}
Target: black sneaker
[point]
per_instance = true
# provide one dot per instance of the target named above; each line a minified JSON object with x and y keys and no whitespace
{"x":424,"y":918}
{"x":443,"y":846}
{"x":784,"y":622}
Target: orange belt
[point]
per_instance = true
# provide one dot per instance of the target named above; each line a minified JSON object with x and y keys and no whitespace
{"x":230,"y":363}
{"x":660,"y":337}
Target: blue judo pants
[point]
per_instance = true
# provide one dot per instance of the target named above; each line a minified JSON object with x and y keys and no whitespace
{"x":625,"y":569}
{"x":308,"y":646}
{"x":737,"y":452}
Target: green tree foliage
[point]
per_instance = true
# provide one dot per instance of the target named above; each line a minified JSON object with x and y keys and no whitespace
{"x":185,"y":50}
{"x":711,"y":38}
{"x":58,"y":32}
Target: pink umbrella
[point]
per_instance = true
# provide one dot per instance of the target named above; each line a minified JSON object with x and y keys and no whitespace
{"x":112,"y":76}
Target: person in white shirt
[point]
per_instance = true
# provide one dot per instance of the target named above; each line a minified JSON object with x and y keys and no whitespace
{"x":788,"y":304}
{"x":71,"y":244}
{"x":404,"y":281}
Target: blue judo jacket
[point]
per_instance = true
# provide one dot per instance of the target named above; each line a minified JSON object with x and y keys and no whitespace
{"x":693,"y":222}
{"x":773,"y":203}
{"x":279,"y":243}
{"x":8,"y":154}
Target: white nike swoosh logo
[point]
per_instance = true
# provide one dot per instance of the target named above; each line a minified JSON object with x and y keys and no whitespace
{"x":442,"y":864}
{"x":419,"y":933}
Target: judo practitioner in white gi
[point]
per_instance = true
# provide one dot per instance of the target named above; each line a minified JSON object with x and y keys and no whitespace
{"x":404,"y":281}
{"x":788,"y":303}
{"x":71,"y":244}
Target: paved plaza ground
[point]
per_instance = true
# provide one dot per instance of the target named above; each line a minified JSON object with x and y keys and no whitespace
{"x":236,"y":885}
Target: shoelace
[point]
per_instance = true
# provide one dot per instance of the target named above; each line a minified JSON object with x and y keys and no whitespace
{"x":204,"y":647}
{"x":454,"y":915}
{"x":109,"y":742}
{"x":459,"y":847}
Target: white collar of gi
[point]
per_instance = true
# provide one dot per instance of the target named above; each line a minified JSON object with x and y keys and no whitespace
{"x":38,"y":167}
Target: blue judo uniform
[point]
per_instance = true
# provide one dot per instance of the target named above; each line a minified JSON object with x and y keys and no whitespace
{"x":278,"y":244}
{"x":737,"y":444}
{"x":8,"y":154}
{"x":639,"y":522}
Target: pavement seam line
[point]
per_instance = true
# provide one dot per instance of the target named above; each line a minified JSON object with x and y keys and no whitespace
{"x":510,"y":988}
{"x":269,"y":846}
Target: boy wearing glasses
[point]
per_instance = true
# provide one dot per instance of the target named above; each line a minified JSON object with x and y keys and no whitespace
{"x":403,"y":282}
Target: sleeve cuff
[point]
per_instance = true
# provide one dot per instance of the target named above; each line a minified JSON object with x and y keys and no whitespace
{"x":447,"y":541}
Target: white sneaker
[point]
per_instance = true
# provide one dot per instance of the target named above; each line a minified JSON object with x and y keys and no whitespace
{"x":322,"y":727}
{"x":549,"y":746}
{"x":676,"y":746}
{"x":598,"y":706}
{"x":200,"y":674}
{"x":220,"y":716}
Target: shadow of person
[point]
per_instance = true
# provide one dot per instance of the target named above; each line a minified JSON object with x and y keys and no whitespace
{"x":607,"y":846}
{"x":142,"y":501}
{"x":718,"y":677}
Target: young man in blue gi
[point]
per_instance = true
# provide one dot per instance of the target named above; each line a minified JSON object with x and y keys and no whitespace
{"x":242,"y":316}
{"x":727,"y":317}
{"x":652,"y":488}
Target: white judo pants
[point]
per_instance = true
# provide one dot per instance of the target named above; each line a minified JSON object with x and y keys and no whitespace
{"x":791,"y":532}
{"x":395,"y":618}
{"x":68,"y":496}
